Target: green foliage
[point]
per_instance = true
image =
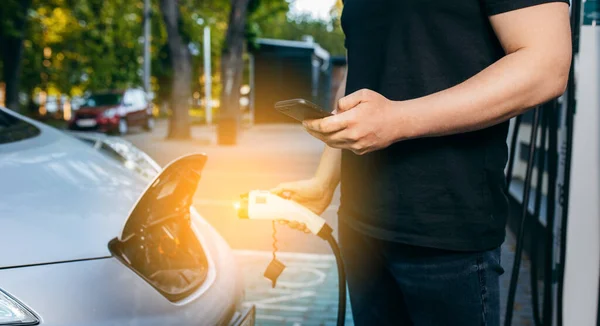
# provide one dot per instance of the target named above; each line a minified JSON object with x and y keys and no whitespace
{"x":264,"y":14}
{"x":328,"y":34}
{"x":195,"y":15}
{"x":72,"y":46}
{"x":10,"y":16}
{"x":13,"y":19}
{"x":82,"y":45}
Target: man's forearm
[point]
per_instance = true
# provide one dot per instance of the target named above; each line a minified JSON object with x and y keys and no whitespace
{"x":329,"y":169}
{"x":502,"y":91}
{"x":328,"y":172}
{"x":533,"y":72}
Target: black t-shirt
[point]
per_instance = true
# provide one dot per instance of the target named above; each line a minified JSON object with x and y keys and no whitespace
{"x":442,"y":192}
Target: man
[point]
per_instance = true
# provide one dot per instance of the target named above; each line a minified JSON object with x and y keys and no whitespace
{"x":419,"y":146}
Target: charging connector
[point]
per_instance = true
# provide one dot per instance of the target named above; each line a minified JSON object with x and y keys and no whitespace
{"x":264,"y":205}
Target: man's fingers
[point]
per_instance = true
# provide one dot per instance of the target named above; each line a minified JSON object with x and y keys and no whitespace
{"x":289,"y":190}
{"x":278,"y":190}
{"x":339,"y":123}
{"x":322,"y":137}
{"x":350,"y":101}
{"x":335,"y":140}
{"x":342,"y":138}
{"x":285,"y":190}
{"x":318,"y":135}
{"x":326,"y":125}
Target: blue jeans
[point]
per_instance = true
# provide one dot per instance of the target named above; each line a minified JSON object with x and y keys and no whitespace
{"x":396,"y":284}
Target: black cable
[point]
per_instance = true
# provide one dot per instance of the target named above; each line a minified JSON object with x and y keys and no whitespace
{"x":519,"y":250}
{"x":513,"y":150}
{"x":541,"y":165}
{"x":552,"y":116}
{"x":274,"y":243}
{"x":535,"y":302}
{"x":341,"y":315}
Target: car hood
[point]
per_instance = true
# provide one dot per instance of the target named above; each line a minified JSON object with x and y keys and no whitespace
{"x":61,"y":200}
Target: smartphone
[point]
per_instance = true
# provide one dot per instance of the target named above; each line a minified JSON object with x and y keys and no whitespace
{"x":301,"y":109}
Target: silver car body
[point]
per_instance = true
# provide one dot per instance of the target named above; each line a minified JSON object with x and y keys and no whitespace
{"x":61,"y":202}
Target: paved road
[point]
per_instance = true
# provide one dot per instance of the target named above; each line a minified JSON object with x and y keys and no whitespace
{"x":266,"y":155}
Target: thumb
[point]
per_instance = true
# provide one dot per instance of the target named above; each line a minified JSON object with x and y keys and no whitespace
{"x":352,"y":100}
{"x":286,"y":189}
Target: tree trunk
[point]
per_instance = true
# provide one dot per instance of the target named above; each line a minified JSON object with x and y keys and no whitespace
{"x":232,"y":67}
{"x":181,"y":63}
{"x":11,"y":43}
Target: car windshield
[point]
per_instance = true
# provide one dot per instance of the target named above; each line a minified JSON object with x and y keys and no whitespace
{"x":13,"y":129}
{"x":103,"y":100}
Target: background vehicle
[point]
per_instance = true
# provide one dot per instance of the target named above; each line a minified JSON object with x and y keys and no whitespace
{"x":114,"y":112}
{"x":63,"y":200}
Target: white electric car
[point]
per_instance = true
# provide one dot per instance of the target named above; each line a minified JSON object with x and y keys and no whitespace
{"x":93,"y":233}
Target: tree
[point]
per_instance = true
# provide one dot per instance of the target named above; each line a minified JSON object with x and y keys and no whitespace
{"x":231,"y":72}
{"x":228,"y":40}
{"x":109,"y":49}
{"x":194,"y":16}
{"x":72,"y":46}
{"x":180,"y":58}
{"x":13,"y":18}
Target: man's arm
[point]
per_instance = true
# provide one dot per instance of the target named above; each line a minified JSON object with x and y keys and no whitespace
{"x":328,"y":172}
{"x":316,"y":193}
{"x":537,"y":43}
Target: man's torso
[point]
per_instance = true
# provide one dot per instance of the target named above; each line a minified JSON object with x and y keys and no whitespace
{"x":443,"y":192}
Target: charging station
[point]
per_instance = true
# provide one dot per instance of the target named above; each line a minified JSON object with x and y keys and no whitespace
{"x":554,"y":175}
{"x":582,"y":264}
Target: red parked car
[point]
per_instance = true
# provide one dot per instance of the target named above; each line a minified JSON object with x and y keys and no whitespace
{"x":114,"y":112}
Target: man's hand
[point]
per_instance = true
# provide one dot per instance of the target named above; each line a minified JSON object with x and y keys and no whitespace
{"x":312,"y":193}
{"x":363,"y":123}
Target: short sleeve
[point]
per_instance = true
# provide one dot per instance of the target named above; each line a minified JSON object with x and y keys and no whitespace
{"x":494,"y":7}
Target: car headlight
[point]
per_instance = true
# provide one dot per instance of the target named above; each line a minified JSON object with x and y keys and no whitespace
{"x":110,"y":113}
{"x":14,"y":313}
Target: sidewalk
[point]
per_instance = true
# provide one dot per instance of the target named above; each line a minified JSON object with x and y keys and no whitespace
{"x":266,"y":155}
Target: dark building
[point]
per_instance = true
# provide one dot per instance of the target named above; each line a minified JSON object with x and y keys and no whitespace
{"x":286,"y":70}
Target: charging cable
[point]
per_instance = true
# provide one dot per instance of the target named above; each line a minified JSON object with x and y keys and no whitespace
{"x":264,"y":205}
